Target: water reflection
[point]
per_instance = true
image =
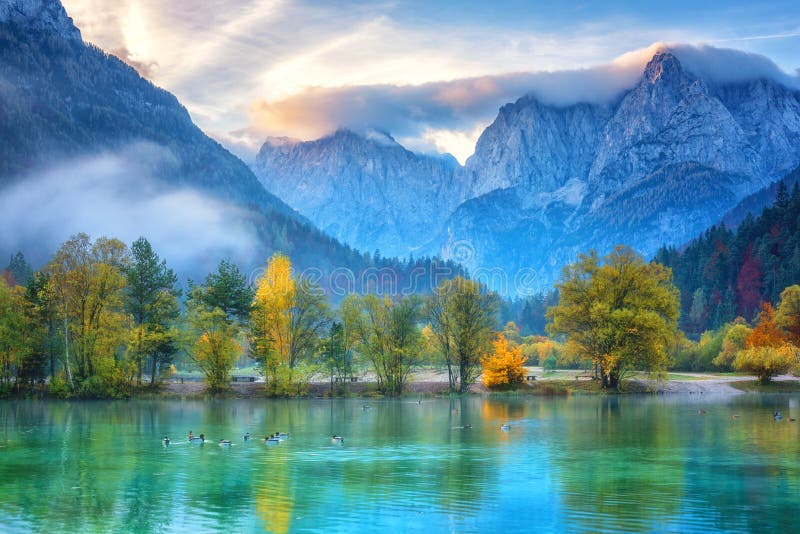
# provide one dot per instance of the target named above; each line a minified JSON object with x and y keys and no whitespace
{"x":594,"y":464}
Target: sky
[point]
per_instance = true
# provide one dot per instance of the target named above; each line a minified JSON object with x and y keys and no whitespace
{"x":432,"y":74}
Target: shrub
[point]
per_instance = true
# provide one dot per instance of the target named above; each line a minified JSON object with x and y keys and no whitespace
{"x":504,"y":366}
{"x":766,"y":362}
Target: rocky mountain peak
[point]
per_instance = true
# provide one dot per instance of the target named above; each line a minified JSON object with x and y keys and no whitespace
{"x":39,"y":15}
{"x":663,"y":66}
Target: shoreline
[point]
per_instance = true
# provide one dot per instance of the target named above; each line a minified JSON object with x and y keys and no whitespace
{"x":428,"y":385}
{"x":718,"y":386}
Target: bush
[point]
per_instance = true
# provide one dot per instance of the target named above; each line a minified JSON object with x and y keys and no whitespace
{"x":549,"y":364}
{"x":59,"y":388}
{"x":288,"y":382}
{"x":504,"y":366}
{"x":766,"y":362}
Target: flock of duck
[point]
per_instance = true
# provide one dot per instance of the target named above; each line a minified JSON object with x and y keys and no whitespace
{"x":272,"y":439}
{"x":277,"y":437}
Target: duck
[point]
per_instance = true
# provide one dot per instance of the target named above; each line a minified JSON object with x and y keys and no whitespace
{"x":272,"y":439}
{"x":337,"y":439}
{"x":505,"y":427}
{"x":792,"y":419}
{"x":165,"y":441}
{"x":467,"y":426}
{"x":735,"y":416}
{"x":225,"y":443}
{"x":777,"y":416}
{"x":701,"y":412}
{"x":198,"y":439}
{"x":246,"y":436}
{"x":191,"y":436}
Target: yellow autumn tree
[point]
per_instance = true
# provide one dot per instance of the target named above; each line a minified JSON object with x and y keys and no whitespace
{"x":216,"y":348}
{"x":270,"y":318}
{"x":504,"y":365}
{"x":287,"y":317}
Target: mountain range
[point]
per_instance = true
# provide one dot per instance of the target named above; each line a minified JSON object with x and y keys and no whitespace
{"x":656,"y":165}
{"x":662,"y":162}
{"x":68,"y":109}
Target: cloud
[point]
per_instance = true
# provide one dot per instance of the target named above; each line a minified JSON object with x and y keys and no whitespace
{"x":250,"y":68}
{"x":146,"y":69}
{"x":726,"y":65}
{"x":445,"y":114}
{"x":114,"y":194}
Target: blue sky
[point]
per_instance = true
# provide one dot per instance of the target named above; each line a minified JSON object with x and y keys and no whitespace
{"x":247,"y":69}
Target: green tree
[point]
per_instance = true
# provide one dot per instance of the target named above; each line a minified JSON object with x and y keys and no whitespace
{"x":733,"y":342}
{"x":621,"y":313}
{"x":215,"y":348}
{"x":787,"y":315}
{"x":15,"y":332}
{"x":216,"y":311}
{"x":152,"y":300}
{"x":336,"y":355}
{"x":227,"y":290}
{"x":19,"y":269}
{"x":389,"y":338}
{"x":88,"y":287}
{"x":462,"y":315}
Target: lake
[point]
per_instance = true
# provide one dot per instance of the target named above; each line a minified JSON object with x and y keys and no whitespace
{"x":654,"y":463}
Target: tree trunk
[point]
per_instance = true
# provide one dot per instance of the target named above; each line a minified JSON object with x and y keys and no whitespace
{"x":153,"y":371}
{"x":66,"y":349}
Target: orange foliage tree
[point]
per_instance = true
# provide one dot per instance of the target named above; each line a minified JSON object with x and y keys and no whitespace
{"x":504,"y":365}
{"x":766,"y":333}
{"x":767,"y":352}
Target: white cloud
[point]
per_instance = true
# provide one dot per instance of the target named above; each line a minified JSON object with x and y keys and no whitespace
{"x":250,"y":68}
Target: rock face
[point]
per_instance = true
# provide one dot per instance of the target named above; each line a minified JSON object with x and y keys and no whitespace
{"x":39,"y":15}
{"x":666,"y":160}
{"x":365,"y":190}
{"x":662,"y":164}
{"x":62,"y":100}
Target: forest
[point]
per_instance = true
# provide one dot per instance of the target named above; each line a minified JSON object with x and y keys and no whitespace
{"x":102,"y":319}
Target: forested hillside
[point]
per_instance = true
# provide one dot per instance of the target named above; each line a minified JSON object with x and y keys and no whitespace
{"x":725,"y":273}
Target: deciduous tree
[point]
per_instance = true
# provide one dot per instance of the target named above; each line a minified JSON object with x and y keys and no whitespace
{"x":619,"y":312}
{"x":462,"y":315}
{"x":504,"y":366}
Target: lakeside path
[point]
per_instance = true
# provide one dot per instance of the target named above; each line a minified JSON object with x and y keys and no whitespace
{"x":428,"y":382}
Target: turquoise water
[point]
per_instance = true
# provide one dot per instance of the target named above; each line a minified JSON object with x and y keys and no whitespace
{"x":566,"y":464}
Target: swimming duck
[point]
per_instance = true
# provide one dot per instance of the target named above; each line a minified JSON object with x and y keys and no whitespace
{"x":224,"y":443}
{"x":165,"y":441}
{"x":246,"y":436}
{"x":777,"y":416}
{"x":505,"y":427}
{"x":467,"y":427}
{"x":337,"y":439}
{"x":198,"y":439}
